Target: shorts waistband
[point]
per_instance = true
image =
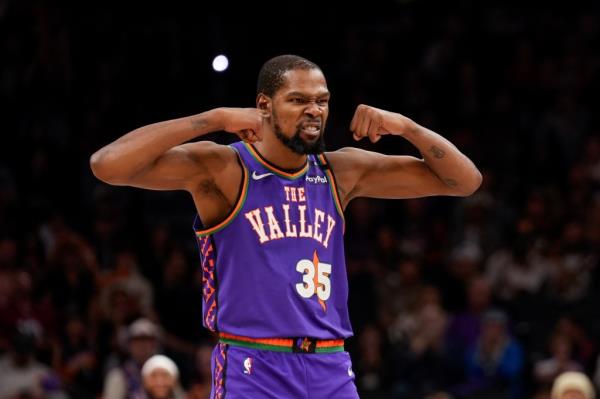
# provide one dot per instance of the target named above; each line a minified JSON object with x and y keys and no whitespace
{"x":292,"y":345}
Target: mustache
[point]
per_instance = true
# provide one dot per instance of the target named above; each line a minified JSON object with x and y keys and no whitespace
{"x":317,"y":122}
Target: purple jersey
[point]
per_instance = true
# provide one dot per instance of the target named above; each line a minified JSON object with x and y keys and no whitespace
{"x":275,"y":266}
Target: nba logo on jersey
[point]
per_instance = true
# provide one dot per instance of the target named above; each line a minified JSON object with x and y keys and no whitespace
{"x":248,"y":365}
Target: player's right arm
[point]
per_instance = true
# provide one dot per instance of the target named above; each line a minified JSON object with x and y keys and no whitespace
{"x":155,"y":156}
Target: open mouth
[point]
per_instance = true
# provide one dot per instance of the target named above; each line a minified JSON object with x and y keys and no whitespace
{"x":311,"y":130}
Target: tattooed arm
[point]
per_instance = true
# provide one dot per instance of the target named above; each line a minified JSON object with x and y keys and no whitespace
{"x":444,"y":170}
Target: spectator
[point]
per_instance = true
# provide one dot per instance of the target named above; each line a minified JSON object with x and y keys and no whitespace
{"x":573,"y":385}
{"x":494,"y":365}
{"x":160,"y":377}
{"x":465,"y":327}
{"x":201,"y":384}
{"x":77,"y":361}
{"x":371,"y":366}
{"x":125,"y":380}
{"x":23,"y":376}
{"x":561,"y":360}
{"x":423,"y":365}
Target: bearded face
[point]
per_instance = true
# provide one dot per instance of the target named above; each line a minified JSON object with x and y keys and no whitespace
{"x":299,"y":110}
{"x":307,"y":139}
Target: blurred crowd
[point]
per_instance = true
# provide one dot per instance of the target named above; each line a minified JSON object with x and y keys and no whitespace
{"x":491,"y":296}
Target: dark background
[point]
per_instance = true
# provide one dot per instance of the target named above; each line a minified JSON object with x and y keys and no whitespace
{"x":514,"y":87}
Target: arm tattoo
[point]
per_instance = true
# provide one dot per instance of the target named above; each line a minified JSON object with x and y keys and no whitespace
{"x":450,"y":182}
{"x":198,"y":124}
{"x":437,"y":152}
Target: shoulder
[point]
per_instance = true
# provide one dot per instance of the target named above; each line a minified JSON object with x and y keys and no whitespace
{"x":348,"y":165}
{"x":358,"y":162}
{"x":347,"y":158}
{"x":115,"y":375}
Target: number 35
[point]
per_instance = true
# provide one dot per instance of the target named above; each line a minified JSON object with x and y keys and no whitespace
{"x":307,"y":288}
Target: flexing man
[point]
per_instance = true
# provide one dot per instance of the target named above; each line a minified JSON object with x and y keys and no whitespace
{"x":270,"y":221}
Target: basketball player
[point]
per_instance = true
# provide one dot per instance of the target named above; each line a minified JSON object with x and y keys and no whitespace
{"x":270,"y":222}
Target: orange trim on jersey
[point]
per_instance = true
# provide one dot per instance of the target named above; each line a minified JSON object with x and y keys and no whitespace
{"x":334,"y":189}
{"x":330,"y":343}
{"x":236,"y":209}
{"x":273,"y":168}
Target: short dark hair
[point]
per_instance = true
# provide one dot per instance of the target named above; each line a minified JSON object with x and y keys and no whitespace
{"x":270,"y":77}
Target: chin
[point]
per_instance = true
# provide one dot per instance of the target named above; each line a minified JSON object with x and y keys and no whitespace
{"x":311,"y":141}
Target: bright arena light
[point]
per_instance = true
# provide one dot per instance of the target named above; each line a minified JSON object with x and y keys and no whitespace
{"x":220,"y":63}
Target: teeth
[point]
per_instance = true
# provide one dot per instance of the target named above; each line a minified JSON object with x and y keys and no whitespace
{"x":311,"y":128}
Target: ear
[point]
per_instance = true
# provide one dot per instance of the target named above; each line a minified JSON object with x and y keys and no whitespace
{"x":263,"y":103}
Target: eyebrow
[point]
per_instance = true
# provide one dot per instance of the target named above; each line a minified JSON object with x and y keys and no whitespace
{"x":299,"y":94}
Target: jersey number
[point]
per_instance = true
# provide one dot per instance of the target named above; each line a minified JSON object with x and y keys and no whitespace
{"x":315,"y":279}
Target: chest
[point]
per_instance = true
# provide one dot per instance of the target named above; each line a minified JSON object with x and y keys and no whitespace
{"x":276,"y":209}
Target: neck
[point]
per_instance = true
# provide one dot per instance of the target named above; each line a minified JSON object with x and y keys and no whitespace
{"x":277,"y":153}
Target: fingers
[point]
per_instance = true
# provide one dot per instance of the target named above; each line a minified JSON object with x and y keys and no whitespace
{"x":249,"y":136}
{"x":356,"y":123}
{"x":254,"y":126}
{"x":365,"y":123}
{"x":373,"y":131}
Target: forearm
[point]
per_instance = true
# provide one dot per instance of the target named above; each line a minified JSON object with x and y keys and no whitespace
{"x":139,"y":148}
{"x":451,"y":166}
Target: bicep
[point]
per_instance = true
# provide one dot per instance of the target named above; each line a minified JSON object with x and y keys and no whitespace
{"x":181,"y":166}
{"x":370,"y":174}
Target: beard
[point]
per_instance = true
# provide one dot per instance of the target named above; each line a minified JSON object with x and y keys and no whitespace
{"x":296,"y":144}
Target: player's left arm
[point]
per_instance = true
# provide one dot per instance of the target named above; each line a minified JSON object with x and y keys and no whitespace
{"x":443,"y":170}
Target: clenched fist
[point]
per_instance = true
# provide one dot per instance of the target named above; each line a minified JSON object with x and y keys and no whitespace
{"x":244,"y":122}
{"x":374,"y":122}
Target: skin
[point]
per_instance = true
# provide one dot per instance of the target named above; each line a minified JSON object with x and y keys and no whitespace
{"x":153,"y":156}
{"x":573,"y":394}
{"x":160,"y":384}
{"x":142,"y":348}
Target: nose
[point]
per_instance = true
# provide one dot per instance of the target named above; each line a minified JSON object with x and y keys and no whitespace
{"x":313,"y":109}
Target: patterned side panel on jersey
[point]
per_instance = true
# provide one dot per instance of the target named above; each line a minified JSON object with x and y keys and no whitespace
{"x":209,"y":291}
{"x":219,"y":371}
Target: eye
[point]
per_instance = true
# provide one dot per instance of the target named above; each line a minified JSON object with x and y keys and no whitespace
{"x":323,"y":101}
{"x":297,"y":100}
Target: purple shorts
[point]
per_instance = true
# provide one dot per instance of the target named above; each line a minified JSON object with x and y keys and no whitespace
{"x":239,"y":372}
